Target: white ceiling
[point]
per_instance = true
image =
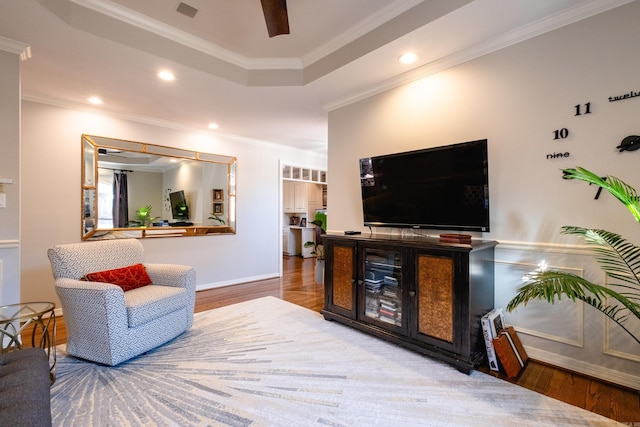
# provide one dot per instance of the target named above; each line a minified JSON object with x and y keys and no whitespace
{"x":228,"y":70}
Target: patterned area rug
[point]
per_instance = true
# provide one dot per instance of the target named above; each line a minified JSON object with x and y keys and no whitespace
{"x":267,"y":362}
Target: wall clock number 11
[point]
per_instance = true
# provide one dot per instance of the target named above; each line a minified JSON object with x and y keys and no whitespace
{"x":583,"y":109}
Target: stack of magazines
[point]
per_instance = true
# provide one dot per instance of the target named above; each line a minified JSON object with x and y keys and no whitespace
{"x":504,"y":349}
{"x":372,"y":297}
{"x":382,"y":300}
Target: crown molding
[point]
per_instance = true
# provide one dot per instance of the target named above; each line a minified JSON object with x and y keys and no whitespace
{"x":118,"y":12}
{"x":296,"y":67}
{"x":553,"y":22}
{"x":138,"y":20}
{"x":384,"y":15}
{"x":128,"y":16}
{"x":14,"y":46}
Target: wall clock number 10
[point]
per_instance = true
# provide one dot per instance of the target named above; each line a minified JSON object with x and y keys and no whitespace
{"x":560,"y":133}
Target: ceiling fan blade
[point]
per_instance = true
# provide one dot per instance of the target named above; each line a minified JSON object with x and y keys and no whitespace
{"x":276,"y":17}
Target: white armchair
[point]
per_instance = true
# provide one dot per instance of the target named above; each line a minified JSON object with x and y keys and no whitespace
{"x":107,"y":325}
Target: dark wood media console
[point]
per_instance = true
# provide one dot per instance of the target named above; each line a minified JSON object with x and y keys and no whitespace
{"x":416,"y":292}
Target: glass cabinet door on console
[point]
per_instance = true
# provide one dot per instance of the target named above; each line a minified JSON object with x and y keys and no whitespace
{"x":382,"y":299}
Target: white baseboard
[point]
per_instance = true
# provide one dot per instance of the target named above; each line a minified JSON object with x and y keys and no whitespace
{"x":605,"y":374}
{"x":205,"y":286}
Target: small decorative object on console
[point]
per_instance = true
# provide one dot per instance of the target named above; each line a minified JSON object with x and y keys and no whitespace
{"x":455,"y":238}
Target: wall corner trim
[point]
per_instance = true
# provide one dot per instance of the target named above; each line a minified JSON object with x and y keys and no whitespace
{"x":14,"y":46}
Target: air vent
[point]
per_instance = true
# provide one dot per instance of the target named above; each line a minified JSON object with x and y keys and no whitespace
{"x":187,"y":10}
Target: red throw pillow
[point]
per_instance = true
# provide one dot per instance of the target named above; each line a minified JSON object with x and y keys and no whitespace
{"x":128,"y":278}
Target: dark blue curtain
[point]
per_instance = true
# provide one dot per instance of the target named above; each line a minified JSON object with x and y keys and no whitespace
{"x":120,"y":200}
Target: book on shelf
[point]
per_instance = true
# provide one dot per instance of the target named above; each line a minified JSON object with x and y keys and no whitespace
{"x":389,"y":295}
{"x":372,"y":287}
{"x":510,"y":351}
{"x":388,"y":313}
{"x":492,"y":324}
{"x":389,"y":305}
{"x":390,"y":320}
{"x":390,"y":280}
{"x":373,"y":283}
{"x":371,"y":313}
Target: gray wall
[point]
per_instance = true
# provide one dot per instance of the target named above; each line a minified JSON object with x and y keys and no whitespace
{"x":517,"y":98}
{"x":10,"y":169}
{"x":143,"y":188}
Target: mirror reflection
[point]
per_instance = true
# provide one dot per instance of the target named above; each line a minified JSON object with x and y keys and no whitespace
{"x":133,"y":189}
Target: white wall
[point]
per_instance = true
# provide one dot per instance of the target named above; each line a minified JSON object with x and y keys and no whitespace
{"x":51,"y":163}
{"x":516,"y":98}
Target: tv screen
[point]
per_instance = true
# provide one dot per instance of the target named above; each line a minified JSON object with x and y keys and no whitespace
{"x":179,"y":208}
{"x":443,"y":188}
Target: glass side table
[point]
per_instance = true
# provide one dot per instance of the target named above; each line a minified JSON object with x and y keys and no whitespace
{"x":37,"y":319}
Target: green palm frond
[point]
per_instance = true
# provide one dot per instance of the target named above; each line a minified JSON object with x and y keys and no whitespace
{"x":551,"y":286}
{"x":619,"y":259}
{"x":618,"y":188}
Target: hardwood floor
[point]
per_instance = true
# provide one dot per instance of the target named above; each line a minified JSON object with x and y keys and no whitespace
{"x":298,"y":286}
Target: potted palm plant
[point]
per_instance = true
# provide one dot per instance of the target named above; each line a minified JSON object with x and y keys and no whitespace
{"x":619,"y":259}
{"x":318,"y":247}
{"x":216,"y":217}
{"x":144,"y":216}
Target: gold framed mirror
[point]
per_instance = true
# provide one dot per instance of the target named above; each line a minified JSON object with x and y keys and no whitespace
{"x":138,"y":190}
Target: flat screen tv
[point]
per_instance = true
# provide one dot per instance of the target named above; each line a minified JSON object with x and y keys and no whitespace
{"x":179,"y":208}
{"x":444,"y":188}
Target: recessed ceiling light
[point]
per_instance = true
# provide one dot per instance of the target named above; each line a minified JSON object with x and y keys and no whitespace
{"x":213,"y":126}
{"x":166,"y":75}
{"x":95,"y":100}
{"x":408,"y":58}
